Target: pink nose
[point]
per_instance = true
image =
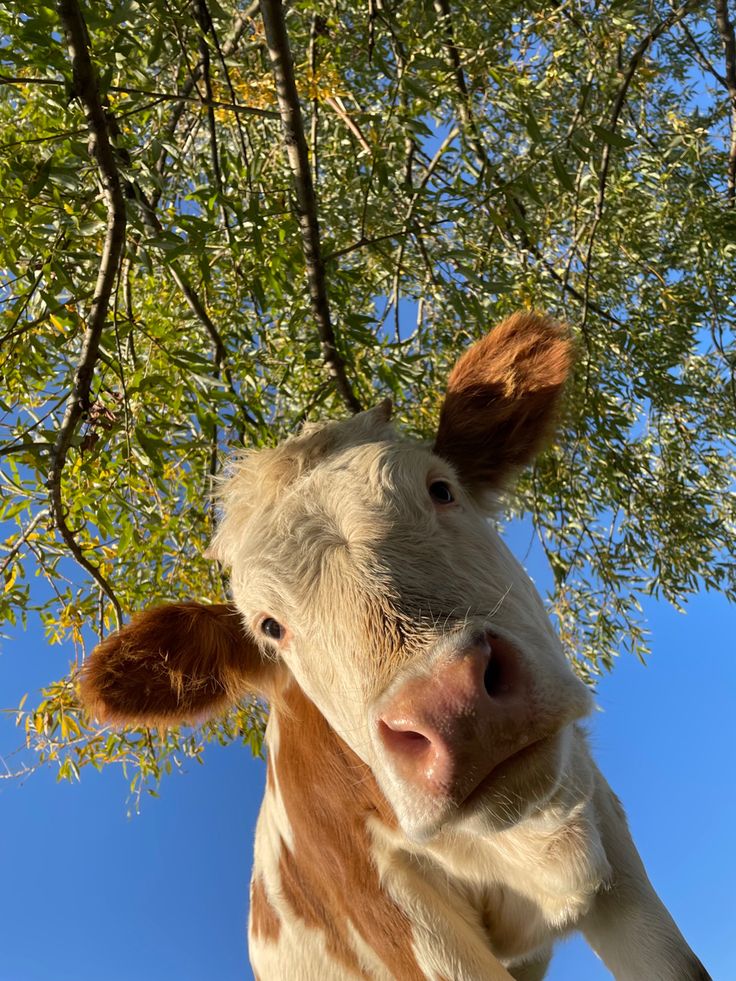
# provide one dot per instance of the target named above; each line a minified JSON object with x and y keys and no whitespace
{"x":445,"y":732}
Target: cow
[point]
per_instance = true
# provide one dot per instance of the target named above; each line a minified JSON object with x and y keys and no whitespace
{"x":432,"y":809}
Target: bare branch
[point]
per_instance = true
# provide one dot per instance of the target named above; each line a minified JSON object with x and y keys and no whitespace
{"x":363,"y":241}
{"x":204,"y":20}
{"x":314,"y":32}
{"x":295,"y":145}
{"x":725,"y":29}
{"x":101,"y":150}
{"x":338,"y":106}
{"x":233,"y":99}
{"x":376,"y":9}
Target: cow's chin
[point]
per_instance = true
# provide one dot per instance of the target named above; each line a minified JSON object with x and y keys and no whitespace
{"x":512,"y":791}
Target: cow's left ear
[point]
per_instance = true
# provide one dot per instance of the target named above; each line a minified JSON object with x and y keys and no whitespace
{"x":503,"y":399}
{"x":176,"y":663}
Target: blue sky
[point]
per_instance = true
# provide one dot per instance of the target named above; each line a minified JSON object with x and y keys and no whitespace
{"x":90,"y":894}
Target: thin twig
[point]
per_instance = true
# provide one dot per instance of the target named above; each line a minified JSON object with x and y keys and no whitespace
{"x":30,"y":528}
{"x":295,"y":146}
{"x":61,"y":134}
{"x":700,"y":56}
{"x":154,"y":227}
{"x":239,"y":27}
{"x":204,"y":20}
{"x":121,"y":362}
{"x":365,"y":240}
{"x":338,"y":107}
{"x":408,"y":220}
{"x":725,"y":29}
{"x":233,"y":106}
{"x":410,"y":142}
{"x":101,"y":150}
{"x":233,"y":98}
{"x":618,"y":104}
{"x":314,"y":127}
{"x":452,"y":55}
{"x":620,"y":100}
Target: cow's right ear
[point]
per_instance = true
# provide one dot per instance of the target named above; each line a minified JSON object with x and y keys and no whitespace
{"x":173,"y":664}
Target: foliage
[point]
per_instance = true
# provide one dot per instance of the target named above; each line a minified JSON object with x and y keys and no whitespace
{"x":469,"y":159}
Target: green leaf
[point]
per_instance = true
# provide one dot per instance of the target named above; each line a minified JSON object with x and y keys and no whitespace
{"x":532,"y":126}
{"x":561,"y":173}
{"x":151,"y":447}
{"x":39,"y":179}
{"x":611,"y":137}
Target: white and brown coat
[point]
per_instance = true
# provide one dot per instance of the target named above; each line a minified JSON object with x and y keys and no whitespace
{"x":432,"y":810}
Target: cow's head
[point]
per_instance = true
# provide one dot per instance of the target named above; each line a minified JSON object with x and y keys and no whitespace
{"x":365,"y":571}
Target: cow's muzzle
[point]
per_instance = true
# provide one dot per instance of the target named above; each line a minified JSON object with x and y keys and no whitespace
{"x":447,"y":730}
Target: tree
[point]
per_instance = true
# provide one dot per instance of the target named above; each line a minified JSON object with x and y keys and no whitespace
{"x":221,"y":220}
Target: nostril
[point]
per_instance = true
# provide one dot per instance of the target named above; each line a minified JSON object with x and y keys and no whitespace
{"x":404,"y":741}
{"x":492,"y":676}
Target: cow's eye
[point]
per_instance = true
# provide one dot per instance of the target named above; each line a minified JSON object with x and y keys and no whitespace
{"x":439,"y":491}
{"x":272,"y":628}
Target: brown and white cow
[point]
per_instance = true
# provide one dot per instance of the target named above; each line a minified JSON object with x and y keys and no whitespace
{"x":432,"y":809}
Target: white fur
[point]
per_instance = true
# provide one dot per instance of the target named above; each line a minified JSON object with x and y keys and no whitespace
{"x":334,"y":535}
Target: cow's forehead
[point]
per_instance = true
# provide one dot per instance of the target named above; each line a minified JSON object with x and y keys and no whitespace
{"x":334,"y":478}
{"x":336,"y":519}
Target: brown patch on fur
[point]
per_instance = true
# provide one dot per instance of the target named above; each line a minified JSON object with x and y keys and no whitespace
{"x":264,"y":920}
{"x":172,"y":664}
{"x":330,"y":880}
{"x":502,"y":398}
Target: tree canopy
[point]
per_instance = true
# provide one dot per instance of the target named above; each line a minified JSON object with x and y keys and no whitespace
{"x":220,"y":220}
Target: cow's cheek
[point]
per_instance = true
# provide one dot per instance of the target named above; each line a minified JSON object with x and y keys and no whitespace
{"x":337,"y":696}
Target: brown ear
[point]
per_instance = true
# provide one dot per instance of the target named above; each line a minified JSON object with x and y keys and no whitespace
{"x":177,"y":663}
{"x":503,"y":397}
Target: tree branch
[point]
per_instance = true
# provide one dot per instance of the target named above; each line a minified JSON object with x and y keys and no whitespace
{"x":154,"y":227}
{"x":30,"y":528}
{"x":725,"y":29}
{"x":408,"y":220}
{"x":204,"y":20}
{"x":442,"y":9}
{"x":233,"y":98}
{"x":620,"y":100}
{"x":618,"y":105}
{"x":239,"y":26}
{"x":232,"y":106}
{"x":705,"y":63}
{"x":295,"y":146}
{"x":101,"y":151}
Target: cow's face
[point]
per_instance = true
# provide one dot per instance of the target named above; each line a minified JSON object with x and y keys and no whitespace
{"x":366,"y":572}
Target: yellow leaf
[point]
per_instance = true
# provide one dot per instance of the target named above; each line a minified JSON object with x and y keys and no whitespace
{"x":10,"y":581}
